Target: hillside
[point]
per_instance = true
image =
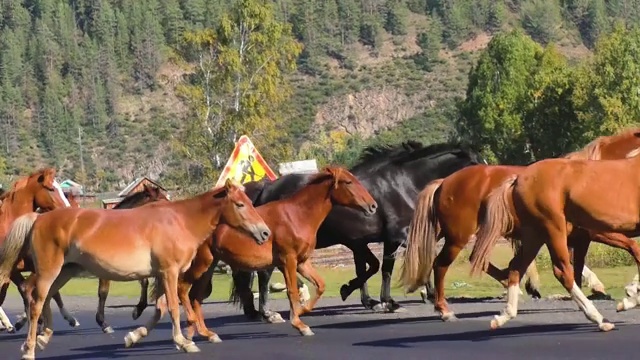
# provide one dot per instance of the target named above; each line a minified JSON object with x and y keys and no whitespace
{"x":90,"y":86}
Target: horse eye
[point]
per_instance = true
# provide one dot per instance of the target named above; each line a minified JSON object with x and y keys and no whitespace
{"x":348,"y":182}
{"x":240,"y":205}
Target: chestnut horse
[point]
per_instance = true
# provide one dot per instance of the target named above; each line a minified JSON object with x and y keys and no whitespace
{"x":38,"y":190}
{"x":543,"y":204}
{"x":294,"y":221}
{"x":452,"y":208}
{"x":159,"y":240}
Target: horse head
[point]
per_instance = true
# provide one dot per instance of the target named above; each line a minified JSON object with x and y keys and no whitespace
{"x":348,"y":191}
{"x":239,"y":212}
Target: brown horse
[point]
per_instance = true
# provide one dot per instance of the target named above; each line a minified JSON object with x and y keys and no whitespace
{"x":453,"y":206}
{"x":159,"y":240}
{"x":294,"y":222}
{"x":544,"y":203}
{"x":146,"y":195}
{"x":38,"y":190}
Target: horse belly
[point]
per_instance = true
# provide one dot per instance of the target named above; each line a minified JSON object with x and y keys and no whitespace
{"x":135,"y":265}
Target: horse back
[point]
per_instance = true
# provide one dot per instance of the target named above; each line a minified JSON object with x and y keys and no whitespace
{"x":599,"y":194}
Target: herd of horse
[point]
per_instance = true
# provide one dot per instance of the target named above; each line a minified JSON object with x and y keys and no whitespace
{"x":407,"y":195}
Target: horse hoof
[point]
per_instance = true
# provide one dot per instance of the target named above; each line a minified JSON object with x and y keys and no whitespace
{"x":423,"y":296}
{"x":189,"y":347}
{"x":494,"y":324}
{"x":306,"y":331}
{"x":276,"y":318}
{"x":448,"y":317}
{"x":130,"y":339}
{"x":28,"y":357}
{"x":74,"y":323}
{"x":42,"y":342}
{"x":11,"y":330}
{"x":378,"y":308}
{"x":135,"y":314}
{"x":215,"y":339}
{"x":108,"y":330}
{"x":606,"y":326}
{"x":344,"y":292}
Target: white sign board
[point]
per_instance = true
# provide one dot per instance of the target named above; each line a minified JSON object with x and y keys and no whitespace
{"x":300,"y":167}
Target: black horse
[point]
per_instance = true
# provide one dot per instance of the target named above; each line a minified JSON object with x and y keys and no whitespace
{"x":394,"y":176}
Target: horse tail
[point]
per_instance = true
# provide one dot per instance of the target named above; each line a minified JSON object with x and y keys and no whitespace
{"x":234,"y":293}
{"x":156,"y":290}
{"x":498,"y":222}
{"x":15,"y":243}
{"x":422,"y":239}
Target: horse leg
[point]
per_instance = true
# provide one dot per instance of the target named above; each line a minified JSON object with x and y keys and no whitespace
{"x":143,"y":302}
{"x":310,"y":273}
{"x":72,"y":321}
{"x":42,"y":283}
{"x":67,"y":272}
{"x":5,"y":322}
{"x":134,"y":337}
{"x":362,"y":256}
{"x":289,"y":270}
{"x":170,"y":283}
{"x":563,"y":270}
{"x":103,"y":292}
{"x":387,"y":304}
{"x":19,"y":281}
{"x":443,"y":260}
{"x":517,"y":267}
{"x":268,"y":315}
{"x":201,"y":290}
{"x":621,"y":241}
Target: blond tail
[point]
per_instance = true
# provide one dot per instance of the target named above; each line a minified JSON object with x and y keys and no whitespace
{"x":422,"y":239}
{"x":498,"y":222}
{"x":15,"y":243}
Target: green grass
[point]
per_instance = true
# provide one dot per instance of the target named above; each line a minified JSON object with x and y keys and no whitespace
{"x":458,"y":281}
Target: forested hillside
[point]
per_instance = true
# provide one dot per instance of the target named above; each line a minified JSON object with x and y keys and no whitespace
{"x":114,"y":89}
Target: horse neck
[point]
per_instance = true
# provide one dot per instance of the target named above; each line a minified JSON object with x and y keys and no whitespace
{"x":201,"y":214}
{"x":312,"y":204}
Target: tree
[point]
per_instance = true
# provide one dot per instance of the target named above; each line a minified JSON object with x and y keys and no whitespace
{"x":607,"y":95}
{"x":238,"y":84}
{"x":493,"y":112}
{"x":430,"y":42}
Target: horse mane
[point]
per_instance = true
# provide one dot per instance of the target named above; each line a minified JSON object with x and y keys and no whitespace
{"x":385,"y":151}
{"x":433,"y":149}
{"x":134,"y":198}
{"x":591,"y":151}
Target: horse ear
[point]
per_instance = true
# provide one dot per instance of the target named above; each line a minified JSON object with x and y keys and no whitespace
{"x":636,"y":134}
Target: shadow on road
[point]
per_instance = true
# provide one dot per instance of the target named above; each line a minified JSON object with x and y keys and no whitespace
{"x":487,"y":335}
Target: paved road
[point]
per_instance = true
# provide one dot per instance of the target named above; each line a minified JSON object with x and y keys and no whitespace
{"x":544,"y":329}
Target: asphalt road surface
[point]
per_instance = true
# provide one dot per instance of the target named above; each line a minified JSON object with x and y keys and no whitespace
{"x":544,"y":329}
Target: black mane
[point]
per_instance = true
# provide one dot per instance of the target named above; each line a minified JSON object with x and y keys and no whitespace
{"x":434,"y":149}
{"x":132,"y":200}
{"x":384,"y":151}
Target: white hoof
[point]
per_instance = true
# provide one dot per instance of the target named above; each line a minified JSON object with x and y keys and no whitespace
{"x":108,"y":330}
{"x":306,"y":331}
{"x":42,"y":342}
{"x":131,"y":339}
{"x":449,"y":316}
{"x":188,"y":347}
{"x":605,"y":326}
{"x":74,"y":323}
{"x":304,"y":293}
{"x":276,"y":318}
{"x":215,"y":339}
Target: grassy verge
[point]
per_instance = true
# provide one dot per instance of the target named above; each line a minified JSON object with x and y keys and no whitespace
{"x":458,"y":281}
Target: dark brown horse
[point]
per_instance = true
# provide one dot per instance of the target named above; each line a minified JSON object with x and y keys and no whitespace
{"x":294,"y":222}
{"x":453,"y":206}
{"x":158,"y":240}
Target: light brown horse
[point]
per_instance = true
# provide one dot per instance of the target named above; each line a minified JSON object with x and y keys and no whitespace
{"x":158,"y":240}
{"x":146,"y":195}
{"x":38,"y":190}
{"x":294,"y":222}
{"x":453,"y":206}
{"x":544,"y":203}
